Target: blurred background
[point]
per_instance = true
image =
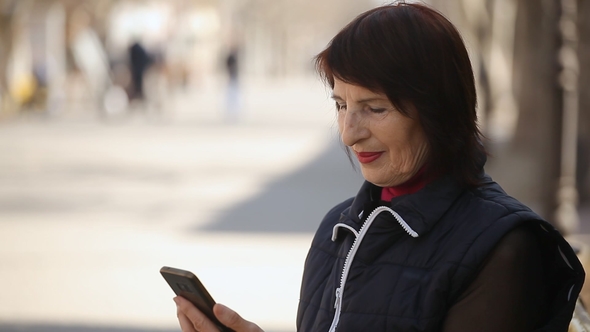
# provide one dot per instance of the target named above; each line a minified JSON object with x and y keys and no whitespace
{"x":195,"y":134}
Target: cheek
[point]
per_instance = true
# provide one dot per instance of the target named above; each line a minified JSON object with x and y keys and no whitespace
{"x":408,"y":143}
{"x":418,"y":148}
{"x":419,"y":139}
{"x":340,"y":123}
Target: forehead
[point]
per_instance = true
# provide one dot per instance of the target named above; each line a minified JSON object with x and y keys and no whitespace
{"x":345,"y":91}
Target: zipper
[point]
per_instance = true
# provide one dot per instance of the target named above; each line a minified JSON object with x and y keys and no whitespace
{"x":339,"y":293}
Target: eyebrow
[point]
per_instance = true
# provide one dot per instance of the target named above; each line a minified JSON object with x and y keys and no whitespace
{"x":366,"y":100}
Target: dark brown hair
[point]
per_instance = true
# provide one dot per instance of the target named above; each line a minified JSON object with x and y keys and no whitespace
{"x":417,"y":58}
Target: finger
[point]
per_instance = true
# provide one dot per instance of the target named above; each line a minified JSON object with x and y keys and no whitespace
{"x":233,"y":320}
{"x":185,"y":323}
{"x":197,"y":319}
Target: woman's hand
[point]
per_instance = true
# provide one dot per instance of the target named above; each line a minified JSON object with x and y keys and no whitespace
{"x":193,"y":320}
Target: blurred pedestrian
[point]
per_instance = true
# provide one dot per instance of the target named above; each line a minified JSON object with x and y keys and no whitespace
{"x":233,"y":89}
{"x":430,"y":242}
{"x":139,"y":62}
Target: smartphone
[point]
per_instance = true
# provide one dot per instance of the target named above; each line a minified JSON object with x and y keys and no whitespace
{"x":186,"y":284}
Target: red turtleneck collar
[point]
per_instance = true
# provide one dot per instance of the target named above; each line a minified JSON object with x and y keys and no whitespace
{"x":417,"y":182}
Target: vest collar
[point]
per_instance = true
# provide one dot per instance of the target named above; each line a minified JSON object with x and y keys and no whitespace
{"x":421,"y":210}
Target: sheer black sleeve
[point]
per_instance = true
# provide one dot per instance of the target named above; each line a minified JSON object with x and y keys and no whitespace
{"x":509,"y":292}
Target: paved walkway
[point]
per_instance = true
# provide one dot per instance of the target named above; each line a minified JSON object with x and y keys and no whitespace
{"x":91,"y":209}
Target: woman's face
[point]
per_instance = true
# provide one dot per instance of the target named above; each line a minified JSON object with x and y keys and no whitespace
{"x":390,"y":146}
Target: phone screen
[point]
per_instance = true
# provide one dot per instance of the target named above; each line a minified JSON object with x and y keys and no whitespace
{"x":186,"y":284}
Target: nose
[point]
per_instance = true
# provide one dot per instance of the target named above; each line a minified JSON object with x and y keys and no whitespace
{"x":353,"y":127}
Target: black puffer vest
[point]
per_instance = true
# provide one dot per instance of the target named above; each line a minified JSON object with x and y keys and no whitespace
{"x":410,"y":263}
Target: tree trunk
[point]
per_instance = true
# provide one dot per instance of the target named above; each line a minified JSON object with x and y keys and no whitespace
{"x":584,"y":86}
{"x":534,"y":155}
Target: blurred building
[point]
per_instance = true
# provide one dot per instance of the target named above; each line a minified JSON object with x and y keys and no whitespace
{"x":59,"y":54}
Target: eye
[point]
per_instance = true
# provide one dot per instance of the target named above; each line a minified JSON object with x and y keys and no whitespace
{"x":377,"y":110}
{"x":340,"y":107}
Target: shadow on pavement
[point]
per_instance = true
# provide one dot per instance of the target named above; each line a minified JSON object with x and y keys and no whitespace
{"x":76,"y":328}
{"x":297,"y":202}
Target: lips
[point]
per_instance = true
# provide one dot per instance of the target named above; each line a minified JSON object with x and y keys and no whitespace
{"x":367,"y":157}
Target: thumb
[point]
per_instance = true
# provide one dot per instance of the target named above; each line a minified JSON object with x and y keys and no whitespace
{"x":233,"y":320}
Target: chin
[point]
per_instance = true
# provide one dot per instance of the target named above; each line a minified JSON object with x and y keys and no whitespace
{"x":381,"y":182}
{"x":376,"y":180}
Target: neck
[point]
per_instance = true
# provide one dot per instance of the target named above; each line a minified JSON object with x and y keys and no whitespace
{"x":417,"y":182}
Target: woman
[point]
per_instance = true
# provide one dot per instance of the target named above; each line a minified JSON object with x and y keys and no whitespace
{"x":430,"y":243}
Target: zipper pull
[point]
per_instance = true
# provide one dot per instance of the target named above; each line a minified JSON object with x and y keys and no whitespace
{"x":337,"y":298}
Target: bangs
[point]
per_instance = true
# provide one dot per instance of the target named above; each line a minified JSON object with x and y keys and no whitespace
{"x":374,"y":55}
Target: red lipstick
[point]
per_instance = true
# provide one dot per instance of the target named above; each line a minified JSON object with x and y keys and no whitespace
{"x":367,"y":157}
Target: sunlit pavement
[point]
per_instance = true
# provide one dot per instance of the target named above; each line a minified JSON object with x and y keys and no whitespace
{"x":90,"y":209}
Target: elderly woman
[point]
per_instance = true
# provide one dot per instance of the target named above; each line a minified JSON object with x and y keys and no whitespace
{"x":430,"y":242}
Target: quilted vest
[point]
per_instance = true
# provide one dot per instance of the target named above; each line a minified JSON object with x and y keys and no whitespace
{"x":405,"y":275}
